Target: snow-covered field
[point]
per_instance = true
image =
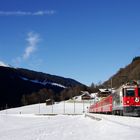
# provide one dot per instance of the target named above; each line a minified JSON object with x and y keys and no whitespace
{"x":68,"y":107}
{"x":23,"y":124}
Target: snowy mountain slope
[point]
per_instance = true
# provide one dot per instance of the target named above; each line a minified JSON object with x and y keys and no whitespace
{"x":16,"y":83}
{"x":3,"y":64}
{"x":45,"y":82}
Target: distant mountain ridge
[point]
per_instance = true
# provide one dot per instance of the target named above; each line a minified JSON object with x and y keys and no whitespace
{"x":16,"y":82}
{"x":126,"y":74}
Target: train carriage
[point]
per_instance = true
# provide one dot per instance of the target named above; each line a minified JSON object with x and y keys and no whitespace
{"x":124,"y":101}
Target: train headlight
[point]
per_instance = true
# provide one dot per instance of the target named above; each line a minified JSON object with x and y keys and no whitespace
{"x":127,"y":102}
{"x":137,"y":100}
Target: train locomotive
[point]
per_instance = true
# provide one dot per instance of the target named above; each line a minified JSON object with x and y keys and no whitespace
{"x":123,"y":101}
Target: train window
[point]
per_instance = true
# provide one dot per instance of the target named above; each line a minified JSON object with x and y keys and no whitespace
{"x":130,"y":92}
{"x":123,"y":92}
{"x":138,"y":91}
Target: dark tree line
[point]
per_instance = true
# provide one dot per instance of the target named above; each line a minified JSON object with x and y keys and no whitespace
{"x":37,"y":97}
{"x":42,"y":95}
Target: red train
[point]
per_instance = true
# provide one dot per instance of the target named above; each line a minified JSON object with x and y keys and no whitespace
{"x":124,"y":101}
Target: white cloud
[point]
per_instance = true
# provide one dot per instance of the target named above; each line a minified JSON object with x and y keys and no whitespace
{"x":33,"y":39}
{"x":17,"y":61}
{"x":41,"y":13}
{"x":32,"y":44}
{"x":26,"y":13}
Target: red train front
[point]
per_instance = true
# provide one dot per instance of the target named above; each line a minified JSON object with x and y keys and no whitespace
{"x":131,"y":101}
{"x":124,"y":101}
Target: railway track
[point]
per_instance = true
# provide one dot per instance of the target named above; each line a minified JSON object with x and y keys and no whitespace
{"x":125,"y":121}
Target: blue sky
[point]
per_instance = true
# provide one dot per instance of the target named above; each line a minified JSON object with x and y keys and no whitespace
{"x":87,"y":40}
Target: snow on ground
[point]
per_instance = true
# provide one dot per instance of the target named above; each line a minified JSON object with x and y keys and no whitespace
{"x":68,"y":107}
{"x":29,"y":126}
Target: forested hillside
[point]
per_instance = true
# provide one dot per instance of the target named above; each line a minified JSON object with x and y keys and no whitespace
{"x":21,"y":87}
{"x":126,"y":74}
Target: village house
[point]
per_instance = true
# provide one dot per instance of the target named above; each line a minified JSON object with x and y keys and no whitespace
{"x":86,"y":95}
{"x":104,"y":92}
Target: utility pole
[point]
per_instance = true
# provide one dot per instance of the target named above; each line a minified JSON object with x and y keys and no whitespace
{"x":52,"y":105}
{"x":64,"y":106}
{"x":111,"y":84}
{"x":39,"y":108}
{"x":74,"y":105}
{"x":6,"y":107}
{"x":83,"y":107}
